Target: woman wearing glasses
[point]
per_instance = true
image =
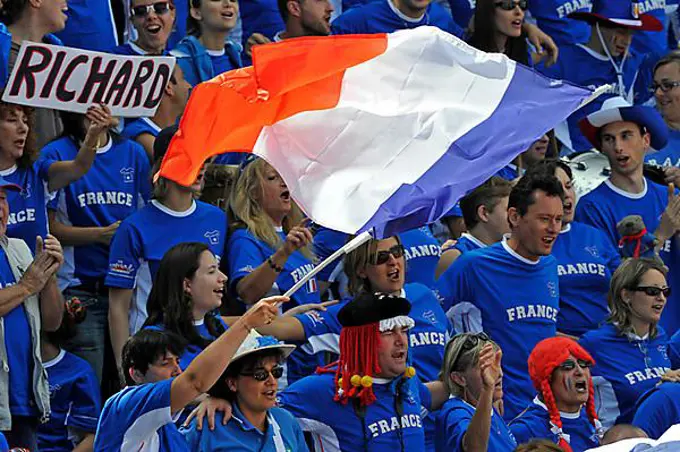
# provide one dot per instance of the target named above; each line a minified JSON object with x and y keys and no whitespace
{"x":564,"y":409}
{"x":667,"y":96}
{"x":186,"y":292}
{"x":250,"y":383}
{"x":498,"y":28}
{"x":472,"y":373}
{"x":630,"y":350}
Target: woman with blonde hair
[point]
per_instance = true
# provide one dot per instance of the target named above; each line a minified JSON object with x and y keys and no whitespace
{"x":472,"y":373}
{"x":630,"y":350}
{"x":269,"y":246}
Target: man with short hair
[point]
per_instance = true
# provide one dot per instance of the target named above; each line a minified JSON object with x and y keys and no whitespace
{"x":154,"y":22}
{"x":305,"y":18}
{"x":510,"y":289}
{"x":485,"y":211}
{"x":624,"y":133}
{"x":30,"y":301}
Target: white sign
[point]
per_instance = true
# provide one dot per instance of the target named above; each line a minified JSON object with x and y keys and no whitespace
{"x":64,"y":78}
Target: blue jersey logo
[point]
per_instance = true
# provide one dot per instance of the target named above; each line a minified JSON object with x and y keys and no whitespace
{"x":213,"y":237}
{"x":26,"y":191}
{"x":128,"y":175}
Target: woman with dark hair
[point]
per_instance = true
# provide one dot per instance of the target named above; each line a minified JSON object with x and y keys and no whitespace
{"x":187,"y":291}
{"x":498,"y":28}
{"x":586,"y":261}
{"x":40,"y":177}
{"x":250,"y":383}
{"x":205,"y":51}
{"x":630,"y":350}
{"x":84,"y":217}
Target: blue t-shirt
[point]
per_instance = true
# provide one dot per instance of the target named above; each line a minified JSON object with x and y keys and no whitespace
{"x":335,"y":426}
{"x":422,"y":252}
{"x":626,"y":366}
{"x":580,"y":65}
{"x":383,"y":17}
{"x":19,"y":346}
{"x":669,"y":155}
{"x":453,"y":421}
{"x":4,"y":447}
{"x":468,"y":242}
{"x":246,"y":253}
{"x":75,"y":402}
{"x":551,"y":17}
{"x":534,"y":423}
{"x":90,"y":26}
{"x":191,"y":351}
{"x":509,"y":172}
{"x":139,"y":418}
{"x":145,"y":236}
{"x":653,"y":42}
{"x":586,"y":261}
{"x":606,"y":205}
{"x":260,"y":16}
{"x":674,"y":350}
{"x":658,"y":409}
{"x":221,"y":62}
{"x":283,"y":433}
{"x":514,"y":300}
{"x":116,"y":186}
{"x":427,"y":339}
{"x":462,"y":12}
{"x":138,"y":126}
{"x":28,"y":208}
{"x":132,"y":49}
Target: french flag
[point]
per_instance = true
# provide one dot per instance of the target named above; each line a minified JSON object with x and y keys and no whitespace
{"x":383,"y":132}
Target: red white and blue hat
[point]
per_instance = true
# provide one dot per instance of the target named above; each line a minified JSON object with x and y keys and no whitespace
{"x":619,"y":13}
{"x":255,"y":342}
{"x":617,"y":109}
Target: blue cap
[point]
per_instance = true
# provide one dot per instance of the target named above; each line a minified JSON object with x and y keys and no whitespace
{"x":619,"y":13}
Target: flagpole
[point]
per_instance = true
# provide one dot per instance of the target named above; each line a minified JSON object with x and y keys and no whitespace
{"x":348,"y":248}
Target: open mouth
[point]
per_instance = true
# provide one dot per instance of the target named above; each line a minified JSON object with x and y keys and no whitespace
{"x":658,"y":308}
{"x":581,"y":387}
{"x":219,"y":292}
{"x":517,"y":23}
{"x":285,"y":195}
{"x":567,"y":207}
{"x":270,"y":394}
{"x":393,"y":275}
{"x":154,"y":29}
{"x":399,"y":356}
{"x":622,"y":160}
{"x":228,"y":15}
{"x":548,"y":240}
{"x":20,"y":143}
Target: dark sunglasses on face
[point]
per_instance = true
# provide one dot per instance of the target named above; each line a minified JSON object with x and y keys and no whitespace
{"x":263,"y":374}
{"x":654,"y":291}
{"x":665,"y":86}
{"x":509,"y":5}
{"x":159,"y":8}
{"x":471,"y":341}
{"x":571,"y":364}
{"x":383,"y":256}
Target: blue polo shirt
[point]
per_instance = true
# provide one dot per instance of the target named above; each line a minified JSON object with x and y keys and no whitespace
{"x":75,"y":402}
{"x":658,"y":409}
{"x":139,"y":417}
{"x":282,"y":434}
{"x":454,"y":420}
{"x":383,"y":17}
{"x":626,"y":366}
{"x":534,"y":423}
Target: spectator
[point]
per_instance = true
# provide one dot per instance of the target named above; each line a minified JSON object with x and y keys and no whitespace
{"x":630,"y":350}
{"x":386,"y":16}
{"x":159,"y":389}
{"x":510,"y":289}
{"x":187,"y":291}
{"x":498,"y":29}
{"x":666,"y":94}
{"x":586,"y":261}
{"x":262,"y":17}
{"x":30,"y":302}
{"x":250,"y":383}
{"x":452,"y":225}
{"x":622,"y":431}
{"x":537,"y":152}
{"x":472,"y":374}
{"x":658,"y":409}
{"x":84,"y":218}
{"x":374,"y":376}
{"x":205,"y":52}
{"x":485,"y":211}
{"x":153,"y":22}
{"x":39,"y":177}
{"x":143,"y":238}
{"x":564,"y":409}
{"x":90,"y":26}
{"x":605,"y":59}
{"x":624,"y":133}
{"x":75,"y":400}
{"x":36,"y":22}
{"x":145,"y":130}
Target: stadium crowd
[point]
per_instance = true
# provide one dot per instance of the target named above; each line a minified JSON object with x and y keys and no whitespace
{"x":137,"y":314}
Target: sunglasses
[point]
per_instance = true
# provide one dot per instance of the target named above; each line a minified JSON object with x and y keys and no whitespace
{"x":263,"y":374}
{"x":159,"y":8}
{"x":383,"y":256}
{"x":570,"y":364}
{"x":471,"y":341}
{"x":653,"y":291}
{"x":509,"y":5}
{"x":665,"y":86}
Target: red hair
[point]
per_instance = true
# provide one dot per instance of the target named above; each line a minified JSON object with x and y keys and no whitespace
{"x":544,"y":359}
